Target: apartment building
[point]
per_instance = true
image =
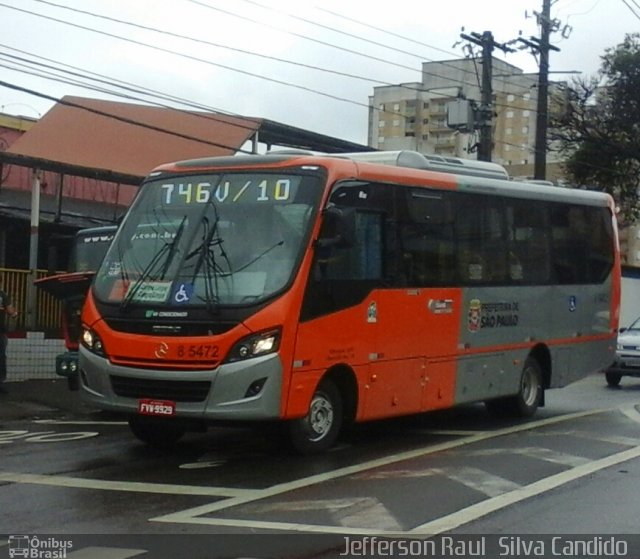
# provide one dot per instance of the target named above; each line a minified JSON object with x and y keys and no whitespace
{"x":413,"y":115}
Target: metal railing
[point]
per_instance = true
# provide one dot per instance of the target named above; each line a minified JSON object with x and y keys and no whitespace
{"x":48,"y":310}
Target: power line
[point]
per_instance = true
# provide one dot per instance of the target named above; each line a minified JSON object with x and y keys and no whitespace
{"x":246,"y":52}
{"x":127,"y":86}
{"x":631,"y":8}
{"x":376,"y":43}
{"x":324,"y":43}
{"x":172,"y":52}
{"x":391,"y":33}
{"x":190,"y":57}
{"x":221,"y":46}
{"x":212,"y":44}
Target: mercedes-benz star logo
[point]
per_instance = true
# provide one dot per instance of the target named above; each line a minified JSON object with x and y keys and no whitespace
{"x":162,"y":350}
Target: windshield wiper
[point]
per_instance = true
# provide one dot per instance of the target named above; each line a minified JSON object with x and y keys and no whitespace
{"x":207,"y":261}
{"x":259,"y":256}
{"x":168,"y":248}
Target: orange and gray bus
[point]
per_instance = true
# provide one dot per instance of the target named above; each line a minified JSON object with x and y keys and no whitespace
{"x":322,"y":290}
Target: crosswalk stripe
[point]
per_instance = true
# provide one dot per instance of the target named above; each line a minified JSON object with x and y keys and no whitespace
{"x":480,"y":480}
{"x":535,"y":452}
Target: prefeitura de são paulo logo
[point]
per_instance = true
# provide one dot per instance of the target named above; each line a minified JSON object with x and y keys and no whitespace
{"x":475,"y":308}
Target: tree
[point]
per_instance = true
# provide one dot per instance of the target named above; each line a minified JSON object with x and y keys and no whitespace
{"x":598,"y":129}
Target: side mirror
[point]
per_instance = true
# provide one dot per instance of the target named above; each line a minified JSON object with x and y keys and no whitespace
{"x":338,"y":228}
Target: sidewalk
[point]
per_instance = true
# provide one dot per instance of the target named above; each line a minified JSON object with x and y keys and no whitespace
{"x":40,"y":399}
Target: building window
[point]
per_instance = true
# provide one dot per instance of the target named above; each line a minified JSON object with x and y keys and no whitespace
{"x":526,"y":96}
{"x":511,"y":97}
{"x":525,"y":129}
{"x":509,"y":114}
{"x":526,"y":113}
{"x":381,"y":124}
{"x":396,"y":122}
{"x":508,"y":131}
{"x":381,"y":139}
{"x":396,"y":107}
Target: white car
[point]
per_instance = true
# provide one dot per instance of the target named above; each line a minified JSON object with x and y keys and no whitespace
{"x":627,"y":361}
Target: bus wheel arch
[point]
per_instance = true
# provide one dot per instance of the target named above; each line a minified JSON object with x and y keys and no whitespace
{"x":542,"y":355}
{"x":332,"y":406}
{"x":534,"y":378}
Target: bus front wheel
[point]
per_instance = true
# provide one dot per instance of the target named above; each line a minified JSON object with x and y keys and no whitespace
{"x":158,"y":433}
{"x":529,"y":396}
{"x":319,"y":429}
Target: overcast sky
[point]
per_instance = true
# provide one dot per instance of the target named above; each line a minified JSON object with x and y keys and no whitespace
{"x":341,"y":49}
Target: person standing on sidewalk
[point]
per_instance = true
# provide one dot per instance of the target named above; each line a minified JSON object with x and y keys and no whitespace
{"x":7,"y":310}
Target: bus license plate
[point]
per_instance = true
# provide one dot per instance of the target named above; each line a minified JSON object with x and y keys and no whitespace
{"x":156,"y":407}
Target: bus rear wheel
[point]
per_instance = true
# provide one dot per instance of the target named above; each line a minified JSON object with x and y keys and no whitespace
{"x":529,"y":396}
{"x":156,"y":432}
{"x":319,"y":429}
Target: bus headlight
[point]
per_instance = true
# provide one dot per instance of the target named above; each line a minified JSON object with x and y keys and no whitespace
{"x":93,"y":342}
{"x":255,"y":345}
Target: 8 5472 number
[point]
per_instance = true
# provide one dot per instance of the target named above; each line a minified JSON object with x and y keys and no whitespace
{"x":198,"y":351}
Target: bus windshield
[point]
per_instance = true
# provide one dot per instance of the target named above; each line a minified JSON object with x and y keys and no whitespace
{"x":227,"y":239}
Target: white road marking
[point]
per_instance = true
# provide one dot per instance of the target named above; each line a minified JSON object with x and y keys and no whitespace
{"x":538,"y":453}
{"x":357,"y":512}
{"x":474,"y":478}
{"x":77,"y":422}
{"x":194,"y":515}
{"x":474,"y":512}
{"x":631,"y":412}
{"x":589,"y":435}
{"x":241,"y":497}
{"x":203,"y":465}
{"x":481,"y":481}
{"x":81,"y":483}
{"x":448,"y":432}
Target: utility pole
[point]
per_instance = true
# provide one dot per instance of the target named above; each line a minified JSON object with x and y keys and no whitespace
{"x":542,"y":119}
{"x":542,"y":47}
{"x":484,"y":117}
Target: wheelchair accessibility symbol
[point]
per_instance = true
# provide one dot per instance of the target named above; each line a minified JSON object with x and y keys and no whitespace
{"x":183,"y":293}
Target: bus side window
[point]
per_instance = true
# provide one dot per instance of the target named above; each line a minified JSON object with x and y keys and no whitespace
{"x":482,"y":246}
{"x":426,"y":238}
{"x":359,"y":260}
{"x":529,"y":240}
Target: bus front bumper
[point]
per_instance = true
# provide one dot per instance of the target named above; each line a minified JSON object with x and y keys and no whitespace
{"x":247,"y":390}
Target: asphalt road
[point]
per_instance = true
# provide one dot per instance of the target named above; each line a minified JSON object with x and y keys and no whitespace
{"x":574,"y":468}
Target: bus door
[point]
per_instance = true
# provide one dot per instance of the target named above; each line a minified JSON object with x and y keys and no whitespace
{"x":421,"y":330}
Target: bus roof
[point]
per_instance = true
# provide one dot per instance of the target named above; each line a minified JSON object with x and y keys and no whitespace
{"x":467,"y":175}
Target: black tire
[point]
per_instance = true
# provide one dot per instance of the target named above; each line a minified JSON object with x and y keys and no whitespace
{"x":613,"y":379}
{"x":529,"y":396}
{"x":319,"y":429}
{"x":156,"y":432}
